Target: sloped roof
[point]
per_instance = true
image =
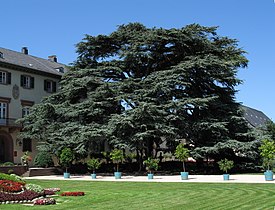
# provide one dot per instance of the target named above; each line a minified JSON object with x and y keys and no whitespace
{"x":255,"y":117}
{"x":26,"y":61}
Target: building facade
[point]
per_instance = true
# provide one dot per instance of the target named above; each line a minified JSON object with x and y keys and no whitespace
{"x":24,"y":81}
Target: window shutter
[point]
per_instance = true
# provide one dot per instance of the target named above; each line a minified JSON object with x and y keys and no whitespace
{"x":9,"y":78}
{"x":32,"y":82}
{"x":22,"y":80}
{"x":54,"y":87}
{"x":45,"y":85}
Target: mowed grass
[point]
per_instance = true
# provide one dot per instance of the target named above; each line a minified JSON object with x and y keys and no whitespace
{"x":146,"y":195}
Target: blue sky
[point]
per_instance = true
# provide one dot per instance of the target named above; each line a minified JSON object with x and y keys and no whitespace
{"x":55,"y":26}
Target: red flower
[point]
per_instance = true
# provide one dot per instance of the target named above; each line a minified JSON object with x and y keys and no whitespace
{"x":10,"y":186}
{"x":72,"y":194}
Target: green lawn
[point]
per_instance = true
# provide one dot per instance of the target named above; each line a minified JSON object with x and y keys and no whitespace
{"x":137,"y":195}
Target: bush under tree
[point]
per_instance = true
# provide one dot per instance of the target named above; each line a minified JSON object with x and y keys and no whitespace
{"x":43,"y":159}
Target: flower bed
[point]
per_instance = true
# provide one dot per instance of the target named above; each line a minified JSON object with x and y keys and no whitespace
{"x":22,"y":196}
{"x":13,"y":189}
{"x":44,"y":201}
{"x":12,"y":177}
{"x":48,"y":192}
{"x":72,"y":194}
{"x":10,"y":186}
{"x":52,"y":189}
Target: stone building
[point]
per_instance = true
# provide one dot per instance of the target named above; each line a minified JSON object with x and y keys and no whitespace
{"x":24,"y":81}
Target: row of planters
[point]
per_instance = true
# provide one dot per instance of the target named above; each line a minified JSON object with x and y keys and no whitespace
{"x":267,"y":151}
{"x":151,"y":164}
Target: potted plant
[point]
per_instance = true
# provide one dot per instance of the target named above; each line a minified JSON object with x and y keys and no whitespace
{"x":66,"y":158}
{"x":267,"y":151}
{"x":225,"y":165}
{"x":182,"y":154}
{"x":25,"y":159}
{"x":93,"y":164}
{"x":151,"y":164}
{"x":117,"y":157}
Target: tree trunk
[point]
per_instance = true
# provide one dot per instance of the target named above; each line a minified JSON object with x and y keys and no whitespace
{"x":183,"y":166}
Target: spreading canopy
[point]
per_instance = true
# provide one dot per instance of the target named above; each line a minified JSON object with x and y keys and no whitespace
{"x":140,"y":87}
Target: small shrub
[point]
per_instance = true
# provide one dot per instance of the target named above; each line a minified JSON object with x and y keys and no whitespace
{"x":43,"y":159}
{"x":117,"y":157}
{"x":17,"y":178}
{"x":66,"y":157}
{"x":225,"y":165}
{"x":151,"y":164}
{"x":267,"y":151}
{"x":182,"y":154}
{"x":7,"y":164}
{"x":35,"y":188}
{"x":93,"y":164}
{"x":10,"y":171}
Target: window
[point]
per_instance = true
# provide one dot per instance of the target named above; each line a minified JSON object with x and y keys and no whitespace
{"x":26,"y":107}
{"x":5,"y":77}
{"x":25,"y":111}
{"x":49,"y":86}
{"x":60,"y":69}
{"x":27,"y":81}
{"x":3,"y":110}
{"x":27,"y":145}
{"x":3,"y":113}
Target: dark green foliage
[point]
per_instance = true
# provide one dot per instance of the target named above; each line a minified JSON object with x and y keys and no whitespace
{"x":139,"y":87}
{"x":270,"y":130}
{"x":43,"y":159}
{"x":74,"y":117}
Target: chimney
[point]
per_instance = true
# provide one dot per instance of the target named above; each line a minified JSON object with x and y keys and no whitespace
{"x":25,"y":50}
{"x":52,"y":58}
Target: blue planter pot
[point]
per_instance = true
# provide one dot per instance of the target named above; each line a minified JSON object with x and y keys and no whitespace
{"x":66,"y":175}
{"x":226,"y":177}
{"x":150,"y":176}
{"x":93,"y":176}
{"x":118,"y":175}
{"x":184,"y":175}
{"x":268,"y":175}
